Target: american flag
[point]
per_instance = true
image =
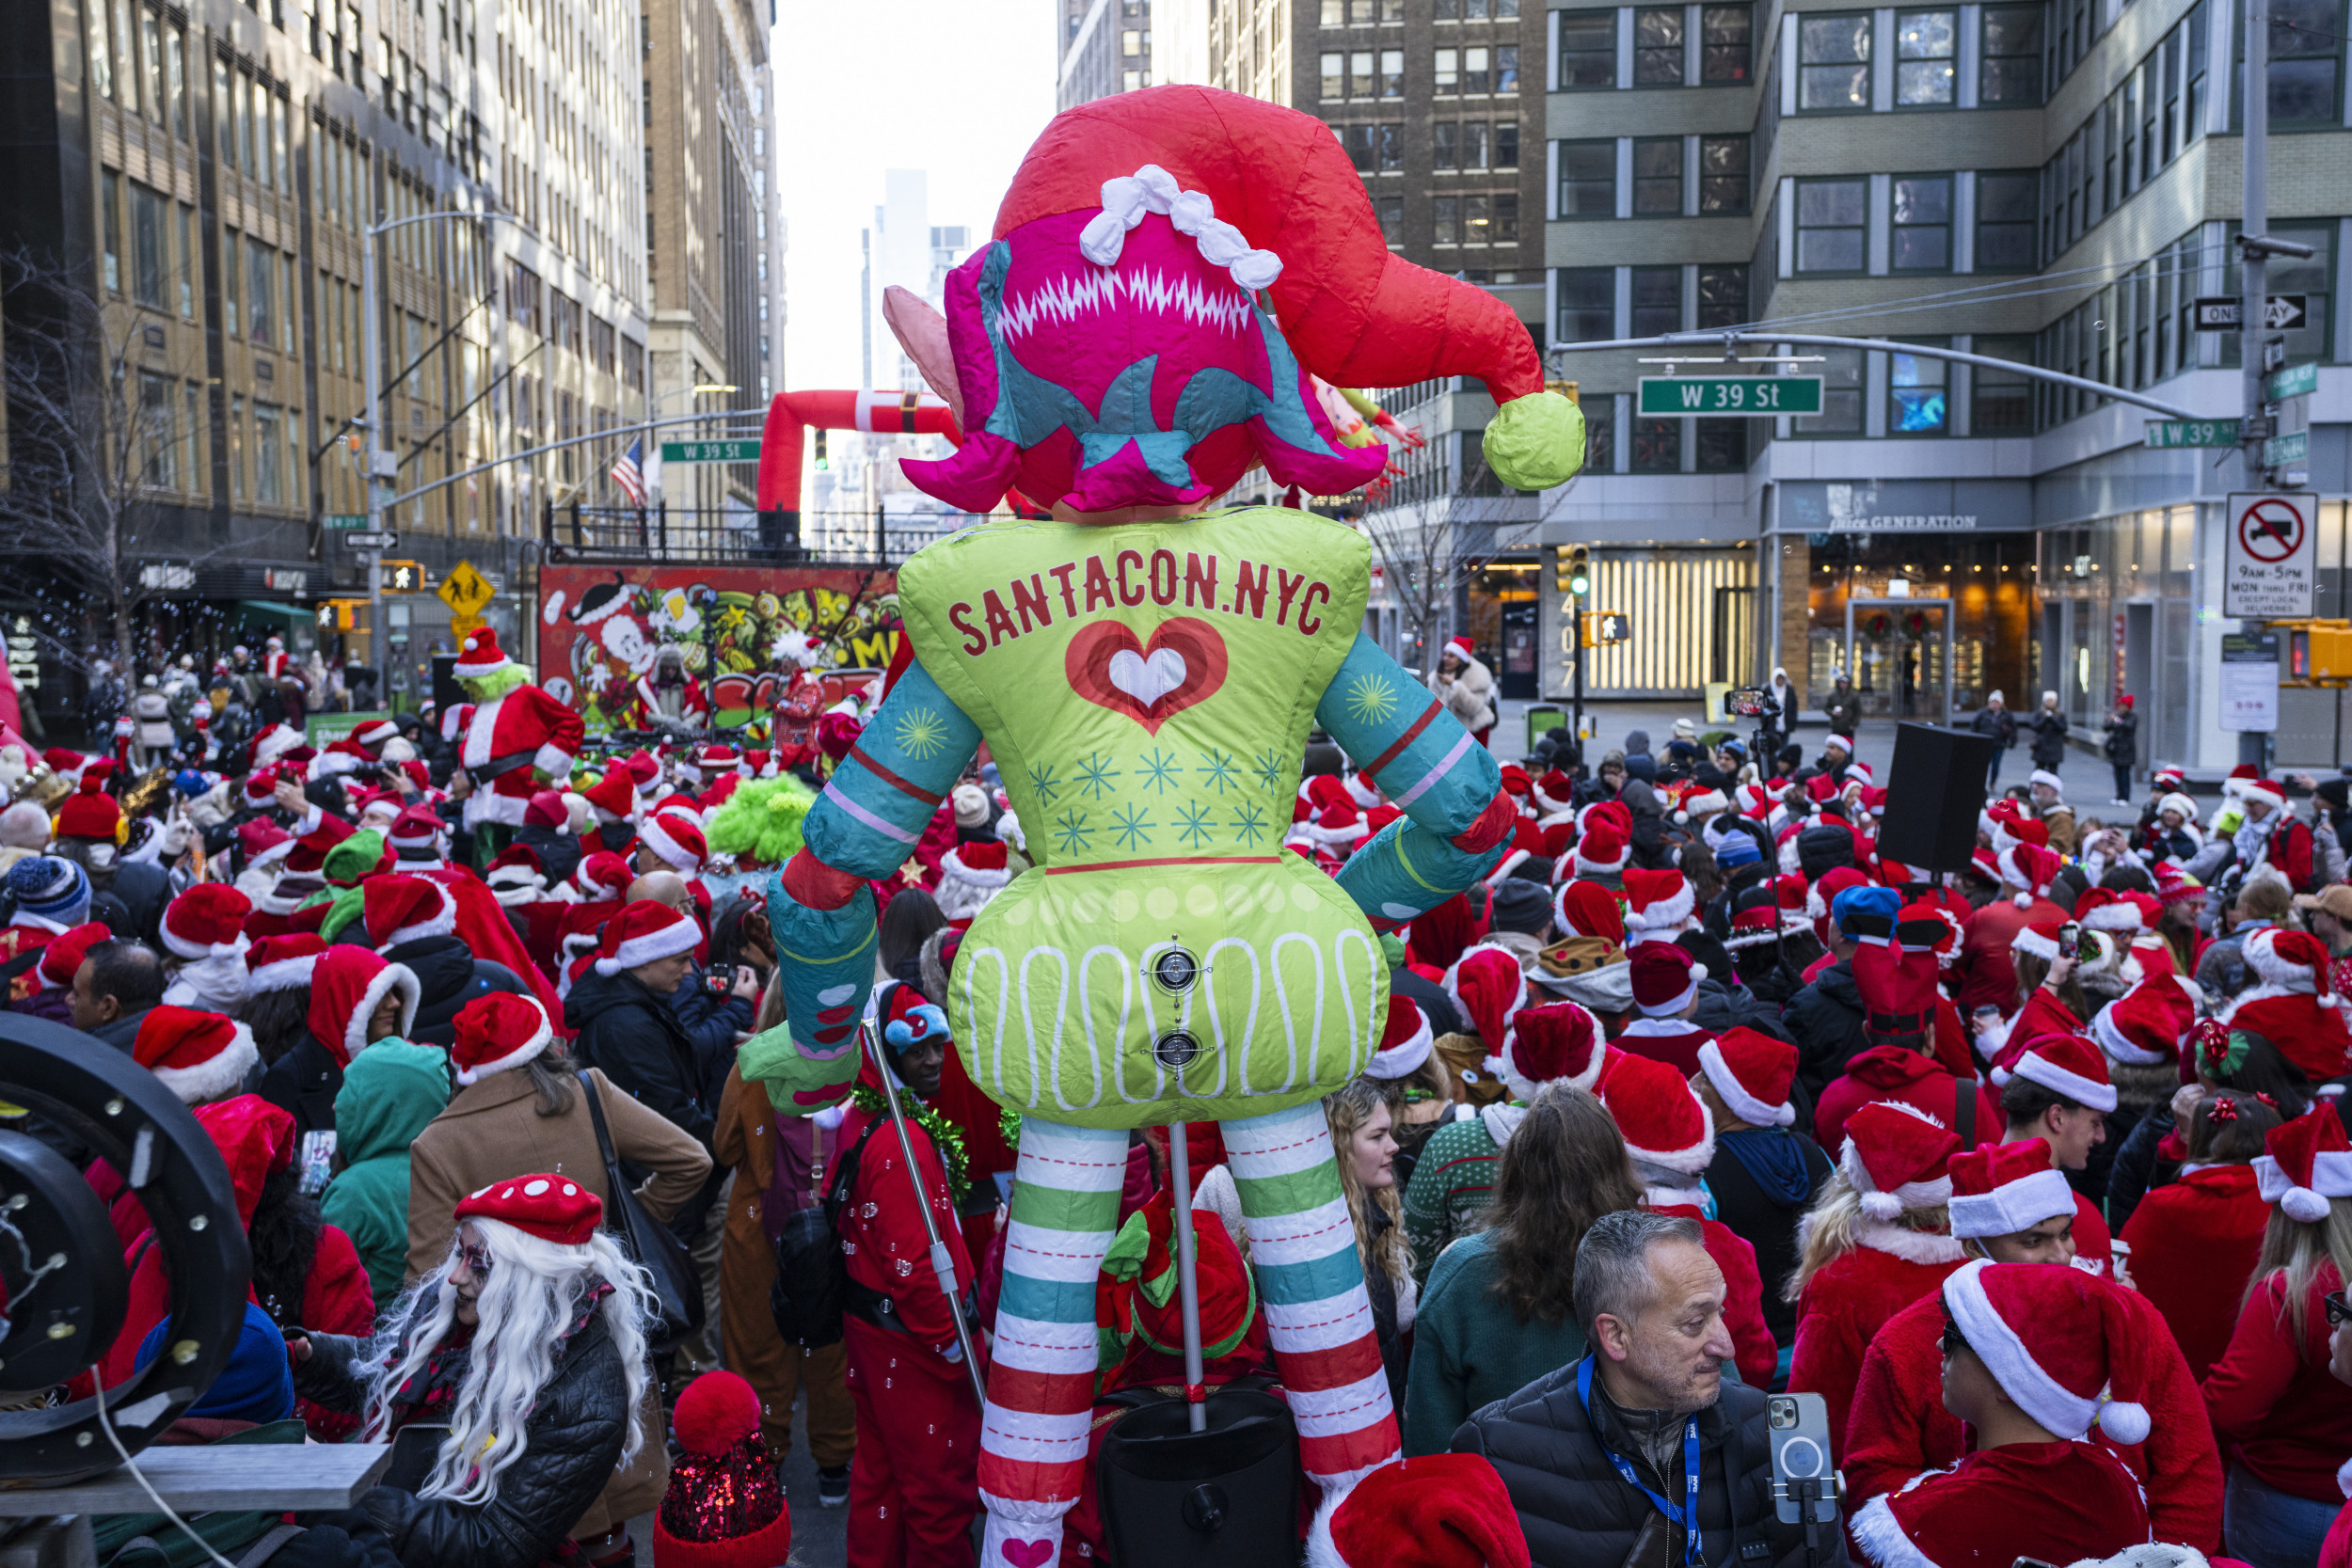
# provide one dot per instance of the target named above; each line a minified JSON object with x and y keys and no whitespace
{"x":629,"y":474}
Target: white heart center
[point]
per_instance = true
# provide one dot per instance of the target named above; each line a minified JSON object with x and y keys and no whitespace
{"x":1147,"y":680}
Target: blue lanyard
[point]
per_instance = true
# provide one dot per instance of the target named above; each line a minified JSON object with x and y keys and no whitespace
{"x":1688,"y":1515}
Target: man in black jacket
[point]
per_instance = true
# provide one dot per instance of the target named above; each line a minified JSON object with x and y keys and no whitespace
{"x":117,"y":982}
{"x":1593,"y":1455}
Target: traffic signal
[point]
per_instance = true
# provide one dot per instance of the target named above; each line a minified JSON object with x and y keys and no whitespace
{"x":403,"y":577}
{"x":1605,"y":626}
{"x":823,"y":463}
{"x":339,"y":615}
{"x":1573,"y":570}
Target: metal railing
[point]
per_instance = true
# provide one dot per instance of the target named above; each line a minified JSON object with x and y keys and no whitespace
{"x":666,"y":532}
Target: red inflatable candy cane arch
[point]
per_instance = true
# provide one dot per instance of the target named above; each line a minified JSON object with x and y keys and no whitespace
{"x":793,"y":414}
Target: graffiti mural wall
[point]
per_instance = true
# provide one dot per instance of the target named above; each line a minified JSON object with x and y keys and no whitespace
{"x":602,"y":628}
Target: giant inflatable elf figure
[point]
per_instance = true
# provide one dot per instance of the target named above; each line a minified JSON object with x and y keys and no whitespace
{"x":1166,"y":273}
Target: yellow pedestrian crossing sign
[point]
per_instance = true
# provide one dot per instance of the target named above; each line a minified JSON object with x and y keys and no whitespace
{"x":465,"y":589}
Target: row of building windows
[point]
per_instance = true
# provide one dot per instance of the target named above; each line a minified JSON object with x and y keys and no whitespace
{"x":1833,"y":223}
{"x":1453,"y":146}
{"x":1366,"y":13}
{"x":1588,"y":177}
{"x":1834,"y":59}
{"x":1726,"y":54}
{"x":1373,"y":73}
{"x":2143,"y":125}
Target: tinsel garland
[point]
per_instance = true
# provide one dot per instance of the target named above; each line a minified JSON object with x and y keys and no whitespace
{"x":944,"y":1135}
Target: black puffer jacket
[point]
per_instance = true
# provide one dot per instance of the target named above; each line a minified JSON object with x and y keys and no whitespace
{"x":635,"y":1038}
{"x":574,"y":1439}
{"x":1825,"y":1019}
{"x":1578,"y":1512}
{"x":448,"y":977}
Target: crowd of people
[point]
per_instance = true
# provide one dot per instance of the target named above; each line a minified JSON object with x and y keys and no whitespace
{"x":2038,"y":1177}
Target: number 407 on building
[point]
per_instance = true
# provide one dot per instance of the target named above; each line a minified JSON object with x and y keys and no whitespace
{"x":1730,"y":396}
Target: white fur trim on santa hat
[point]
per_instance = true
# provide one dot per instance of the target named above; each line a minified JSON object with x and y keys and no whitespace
{"x":1505,"y":866}
{"x":1912,"y":1246}
{"x":1911,"y":1195}
{"x":2063,"y":1414}
{"x":997,"y":878}
{"x":2332,"y":1177}
{"x":1690,"y":1160}
{"x":2044,"y":776}
{"x":672,"y":852}
{"x":678,"y":937}
{"x":194,"y":950}
{"x":2014,"y":1206}
{"x":2036,"y":1069}
{"x":2265,"y":790}
{"x":515,"y":1058}
{"x":1662,"y":917}
{"x":2279,"y":977}
{"x":442,"y":924}
{"x":1504,"y":1064}
{"x":2117,"y":916}
{"x":1401,"y":1060}
{"x":214,"y":1079}
{"x":283,"y":975}
{"x":2028,"y":940}
{"x":2116,"y":1044}
{"x":1736,"y":1097}
{"x":411,"y":992}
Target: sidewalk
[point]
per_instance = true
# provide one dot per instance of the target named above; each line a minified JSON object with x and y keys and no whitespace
{"x":2089,"y":782}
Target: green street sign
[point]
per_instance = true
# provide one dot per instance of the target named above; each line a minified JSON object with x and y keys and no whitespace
{"x":2280,"y":451}
{"x":2293,"y":382}
{"x":1736,"y":396}
{"x":2192,"y":433}
{"x":346,"y":520}
{"x":710,"y":452}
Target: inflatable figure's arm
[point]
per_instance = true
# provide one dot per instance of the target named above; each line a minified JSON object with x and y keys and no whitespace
{"x":1458,"y":821}
{"x":863,"y":827}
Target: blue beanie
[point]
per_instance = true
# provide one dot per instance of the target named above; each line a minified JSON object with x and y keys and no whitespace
{"x":1737,"y":848}
{"x":50,"y":887}
{"x":257,"y":1386}
{"x":1870,"y":910}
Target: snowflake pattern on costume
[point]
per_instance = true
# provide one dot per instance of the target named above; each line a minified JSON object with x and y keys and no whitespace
{"x":1095,"y":773}
{"x":1270,"y":770}
{"x":1192,"y":824}
{"x":1072,"y":832}
{"x":1157,"y":770}
{"x":922,"y":734}
{"x":1042,"y":784}
{"x":1218,"y":766}
{"x":1371,"y":700}
{"x":1135,"y":829}
{"x":1249,"y":821}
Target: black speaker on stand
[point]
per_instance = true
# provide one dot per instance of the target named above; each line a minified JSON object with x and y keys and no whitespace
{"x":1934,"y":792}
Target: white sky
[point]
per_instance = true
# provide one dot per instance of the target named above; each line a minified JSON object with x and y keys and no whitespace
{"x":959,"y":88}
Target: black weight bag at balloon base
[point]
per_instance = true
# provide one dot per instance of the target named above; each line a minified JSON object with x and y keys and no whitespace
{"x":1224,"y":1498}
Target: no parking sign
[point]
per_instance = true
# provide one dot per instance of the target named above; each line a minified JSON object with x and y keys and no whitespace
{"x":2268,"y":557}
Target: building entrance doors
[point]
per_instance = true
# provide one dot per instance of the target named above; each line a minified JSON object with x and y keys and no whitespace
{"x":1899,"y":652}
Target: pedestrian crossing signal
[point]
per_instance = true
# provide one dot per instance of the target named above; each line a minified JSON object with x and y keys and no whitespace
{"x":1605,"y":626}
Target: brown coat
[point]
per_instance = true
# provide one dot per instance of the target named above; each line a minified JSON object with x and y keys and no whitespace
{"x":493,"y":1130}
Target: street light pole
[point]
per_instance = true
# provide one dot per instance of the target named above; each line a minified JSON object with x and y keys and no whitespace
{"x":2253,"y":224}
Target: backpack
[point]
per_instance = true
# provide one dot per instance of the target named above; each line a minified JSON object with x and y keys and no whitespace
{"x":812,"y":1288}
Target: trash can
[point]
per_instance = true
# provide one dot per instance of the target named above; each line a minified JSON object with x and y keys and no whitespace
{"x":1542,"y":717}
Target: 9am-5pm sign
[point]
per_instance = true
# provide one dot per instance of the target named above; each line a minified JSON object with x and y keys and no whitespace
{"x":2268,"y":557}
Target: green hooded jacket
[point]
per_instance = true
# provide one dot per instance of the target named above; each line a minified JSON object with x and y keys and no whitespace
{"x":389,"y":1092}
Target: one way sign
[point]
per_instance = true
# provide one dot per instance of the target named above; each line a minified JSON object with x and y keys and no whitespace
{"x":2280,"y":313}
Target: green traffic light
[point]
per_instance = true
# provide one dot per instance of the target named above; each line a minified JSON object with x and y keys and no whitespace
{"x":1580,"y":585}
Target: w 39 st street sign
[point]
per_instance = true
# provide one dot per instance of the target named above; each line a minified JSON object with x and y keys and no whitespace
{"x":1730,"y":396}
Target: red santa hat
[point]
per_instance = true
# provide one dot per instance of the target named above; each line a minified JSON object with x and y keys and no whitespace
{"x":1554,"y":792}
{"x":553,"y":1208}
{"x":1751,"y":1072}
{"x":2029,"y":869}
{"x":375,"y":732}
{"x":2040,"y":939}
{"x":614,"y":796}
{"x":1463,"y":645}
{"x":2105,"y":910}
{"x":256,"y":1140}
{"x":1490,"y":988}
{"x":2001,"y":1189}
{"x":347,"y":985}
{"x":643,"y":932}
{"x":735,"y":1512}
{"x":1896,"y":1157}
{"x":1657,"y":905}
{"x":2290,"y":963}
{"x":197,"y":1056}
{"x":416,"y":834}
{"x":480,"y":655}
{"x":676,"y":841}
{"x":2068,"y":1064}
{"x":545,"y":810}
{"x":2269,"y":791}
{"x":1589,"y":910}
{"x":1405,"y":1041}
{"x":61,"y":955}
{"x":1436,"y":1510}
{"x":1664,"y":1120}
{"x":207,"y":922}
{"x":515,"y":875}
{"x":2306,"y":1163}
{"x":1665,"y":979}
{"x":2145,"y":1025}
{"x":495,"y":1032}
{"x":601,"y":877}
{"x":2058,"y":1342}
{"x":281,"y":962}
{"x":1603,"y":842}
{"x":64,"y":762}
{"x":1557,"y":1042}
{"x":407,"y":908}
{"x":969,"y":876}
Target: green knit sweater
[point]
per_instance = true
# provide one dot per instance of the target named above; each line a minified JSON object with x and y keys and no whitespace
{"x":1452,"y":1184}
{"x":1470,"y":1349}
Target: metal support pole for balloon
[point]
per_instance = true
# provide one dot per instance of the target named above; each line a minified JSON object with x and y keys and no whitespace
{"x":1187,"y":1281}
{"x":942,"y":1263}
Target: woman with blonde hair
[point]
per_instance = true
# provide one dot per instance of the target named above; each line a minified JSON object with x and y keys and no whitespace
{"x":1496,"y":1315}
{"x":2282,"y":1421}
{"x":1361,"y":1137}
{"x":1876,"y":1240}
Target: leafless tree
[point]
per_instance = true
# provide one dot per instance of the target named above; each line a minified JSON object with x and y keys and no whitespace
{"x":89,"y":459}
{"x":1428,"y":550}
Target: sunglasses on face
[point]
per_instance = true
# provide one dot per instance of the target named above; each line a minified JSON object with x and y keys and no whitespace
{"x":2338,"y":1309}
{"x":1954,"y":1340}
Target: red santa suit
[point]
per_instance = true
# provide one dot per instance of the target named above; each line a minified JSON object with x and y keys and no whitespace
{"x":914,"y":1481}
{"x":693,"y":707}
{"x":2052,"y":1502}
{"x":1987,"y":969}
{"x":1885,"y":1072}
{"x":511,"y":739}
{"x":1899,"y":1426}
{"x":2194,"y":1242}
{"x":1671,"y":1041}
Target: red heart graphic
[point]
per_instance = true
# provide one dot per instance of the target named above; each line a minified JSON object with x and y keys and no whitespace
{"x":1026,"y":1554}
{"x":1088,"y":664}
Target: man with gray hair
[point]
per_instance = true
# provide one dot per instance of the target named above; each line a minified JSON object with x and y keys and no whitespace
{"x":1599,"y":1456}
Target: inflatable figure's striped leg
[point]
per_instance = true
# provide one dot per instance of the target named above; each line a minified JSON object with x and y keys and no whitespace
{"x":1303,"y":1246}
{"x":1040,"y":1380}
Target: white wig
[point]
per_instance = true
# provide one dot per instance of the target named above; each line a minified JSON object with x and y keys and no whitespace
{"x":536,"y":1291}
